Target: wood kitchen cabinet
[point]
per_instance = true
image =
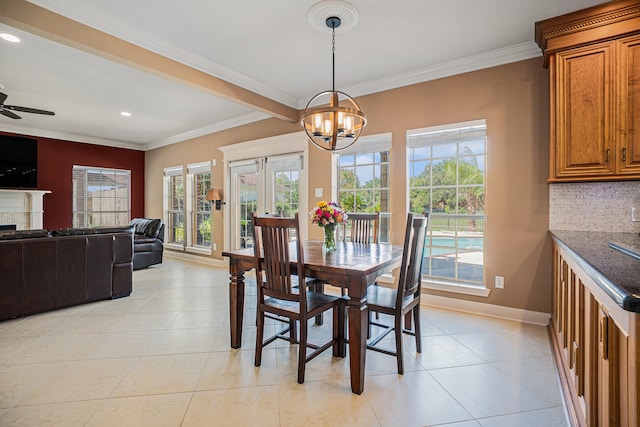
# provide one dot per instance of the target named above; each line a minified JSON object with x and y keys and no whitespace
{"x":595,"y":344}
{"x":594,"y":61}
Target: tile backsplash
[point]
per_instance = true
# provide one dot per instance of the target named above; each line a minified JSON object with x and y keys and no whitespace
{"x":594,"y":206}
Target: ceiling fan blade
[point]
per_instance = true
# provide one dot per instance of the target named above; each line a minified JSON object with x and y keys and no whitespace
{"x":3,"y":97}
{"x":29,"y":110}
{"x":9,"y":114}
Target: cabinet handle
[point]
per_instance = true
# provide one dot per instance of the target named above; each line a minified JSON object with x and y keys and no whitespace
{"x":608,"y":154}
{"x":624,"y":154}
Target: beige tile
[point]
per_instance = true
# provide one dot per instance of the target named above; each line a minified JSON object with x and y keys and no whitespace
{"x":412,"y":399}
{"x":180,"y":341}
{"x":18,"y":380}
{"x":199,"y":319}
{"x":325,"y":403}
{"x":67,"y":414}
{"x":471,"y":423}
{"x":165,"y":410}
{"x":553,"y":417}
{"x":500,"y":345}
{"x":235,"y":369}
{"x":144,"y":321}
{"x":35,"y":326}
{"x":484,"y":391}
{"x":537,"y":375}
{"x":442,"y":351}
{"x":83,"y":380}
{"x":255,"y":406}
{"x":162,"y":374}
{"x":11,"y":346}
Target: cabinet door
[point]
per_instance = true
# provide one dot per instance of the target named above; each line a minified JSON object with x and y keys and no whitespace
{"x":584,"y":112}
{"x":629,"y":56}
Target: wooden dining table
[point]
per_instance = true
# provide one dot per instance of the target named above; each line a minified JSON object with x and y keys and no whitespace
{"x":353,"y":266}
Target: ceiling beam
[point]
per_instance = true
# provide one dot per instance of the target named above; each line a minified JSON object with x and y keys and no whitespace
{"x":44,"y":23}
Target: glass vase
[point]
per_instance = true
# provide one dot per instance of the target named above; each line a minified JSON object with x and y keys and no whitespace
{"x":329,"y":242}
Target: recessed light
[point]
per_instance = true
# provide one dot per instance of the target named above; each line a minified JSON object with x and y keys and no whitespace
{"x":10,"y":38}
{"x":125,"y":114}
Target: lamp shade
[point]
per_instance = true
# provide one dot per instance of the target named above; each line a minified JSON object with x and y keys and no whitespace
{"x":214,"y":195}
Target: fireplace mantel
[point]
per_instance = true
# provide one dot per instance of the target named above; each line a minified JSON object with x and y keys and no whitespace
{"x":22,"y":207}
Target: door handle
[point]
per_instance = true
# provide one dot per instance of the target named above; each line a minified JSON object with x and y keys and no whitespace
{"x":624,"y":154}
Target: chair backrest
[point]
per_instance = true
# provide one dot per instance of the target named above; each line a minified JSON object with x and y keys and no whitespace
{"x":414,"y":244}
{"x":272,"y":237}
{"x":364,"y":227}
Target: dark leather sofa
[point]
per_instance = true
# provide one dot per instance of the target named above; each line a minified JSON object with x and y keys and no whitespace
{"x":42,"y":271}
{"x":148,"y":243}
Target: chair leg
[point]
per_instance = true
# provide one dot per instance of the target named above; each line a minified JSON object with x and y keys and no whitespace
{"x":293,"y":335}
{"x":318,"y":287}
{"x":339,"y":330}
{"x":302,"y":350}
{"x":398,"y":333}
{"x":416,"y":321}
{"x":259,"y":337}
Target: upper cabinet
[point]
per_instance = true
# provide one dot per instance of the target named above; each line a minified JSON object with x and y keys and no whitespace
{"x":594,"y":61}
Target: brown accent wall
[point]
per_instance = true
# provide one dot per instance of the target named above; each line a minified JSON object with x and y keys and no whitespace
{"x":56,"y":159}
{"x":514,"y":100}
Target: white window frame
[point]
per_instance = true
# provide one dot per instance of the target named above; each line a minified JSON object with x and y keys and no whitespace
{"x":366,"y":145}
{"x":438,"y":135}
{"x":83,"y":193}
{"x":170,"y":172}
{"x":193,"y":171}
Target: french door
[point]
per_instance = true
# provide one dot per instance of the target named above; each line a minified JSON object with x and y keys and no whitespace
{"x":274,"y":184}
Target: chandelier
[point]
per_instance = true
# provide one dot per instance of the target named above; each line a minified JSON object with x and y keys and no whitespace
{"x":332,"y":119}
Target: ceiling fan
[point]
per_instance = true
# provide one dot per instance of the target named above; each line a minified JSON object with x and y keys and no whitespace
{"x":7,"y":110}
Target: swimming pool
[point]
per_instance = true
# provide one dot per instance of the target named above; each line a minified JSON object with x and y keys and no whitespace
{"x":463,"y":242}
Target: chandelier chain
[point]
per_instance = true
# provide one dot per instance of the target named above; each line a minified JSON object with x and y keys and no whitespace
{"x":333,"y":58}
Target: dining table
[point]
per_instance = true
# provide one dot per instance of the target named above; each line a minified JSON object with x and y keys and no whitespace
{"x":353,"y":266}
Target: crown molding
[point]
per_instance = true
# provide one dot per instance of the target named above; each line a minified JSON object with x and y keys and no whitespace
{"x":206,"y":130}
{"x":493,"y":58}
{"x":65,"y":136}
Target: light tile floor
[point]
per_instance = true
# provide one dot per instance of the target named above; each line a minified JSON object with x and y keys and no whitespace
{"x":161,"y":357}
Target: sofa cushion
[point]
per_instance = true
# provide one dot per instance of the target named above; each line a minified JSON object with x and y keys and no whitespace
{"x":146,"y":226}
{"x":110,"y":230}
{"x":73,"y":232}
{"x":23,"y":234}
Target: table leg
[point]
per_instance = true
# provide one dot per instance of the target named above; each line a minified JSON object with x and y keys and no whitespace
{"x":236,"y":307}
{"x":357,"y":342}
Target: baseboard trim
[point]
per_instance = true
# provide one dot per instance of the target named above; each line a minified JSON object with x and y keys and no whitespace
{"x":492,"y":310}
{"x":197,"y":258}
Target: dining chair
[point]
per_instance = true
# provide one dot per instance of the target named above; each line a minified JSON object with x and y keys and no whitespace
{"x":363,"y":227}
{"x":404,"y":299}
{"x":283,"y":291}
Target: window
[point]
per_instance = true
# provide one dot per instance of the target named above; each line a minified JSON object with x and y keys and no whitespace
{"x":174,"y":205}
{"x":446,"y":168}
{"x":101,"y":197}
{"x":199,"y":224}
{"x":364,"y":178}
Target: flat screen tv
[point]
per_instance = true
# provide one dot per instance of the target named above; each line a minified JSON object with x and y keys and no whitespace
{"x":18,"y":162}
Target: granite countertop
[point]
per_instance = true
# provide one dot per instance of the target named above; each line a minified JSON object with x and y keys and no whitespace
{"x":616,"y":273}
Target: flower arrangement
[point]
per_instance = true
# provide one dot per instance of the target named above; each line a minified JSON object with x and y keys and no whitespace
{"x":328,"y":216}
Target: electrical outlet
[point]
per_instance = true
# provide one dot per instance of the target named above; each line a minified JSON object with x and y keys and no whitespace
{"x":214,"y":246}
{"x":499,"y":283}
{"x":635,"y":214}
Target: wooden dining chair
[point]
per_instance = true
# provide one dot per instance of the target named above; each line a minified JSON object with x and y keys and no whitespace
{"x":363,"y":227}
{"x":283,"y":291}
{"x":406,"y":297}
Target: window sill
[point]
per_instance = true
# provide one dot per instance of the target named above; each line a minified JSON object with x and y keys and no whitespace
{"x":174,"y":246}
{"x":199,"y":250}
{"x":457,"y":288}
